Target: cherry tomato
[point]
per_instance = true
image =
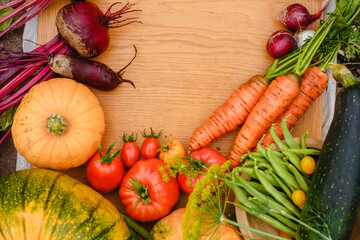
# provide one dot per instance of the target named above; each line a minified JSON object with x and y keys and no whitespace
{"x":144,"y":193}
{"x":201,"y":160}
{"x":171,"y":150}
{"x":308,"y":165}
{"x":105,"y":171}
{"x":130,"y":153}
{"x":150,"y":145}
{"x":299,"y":197}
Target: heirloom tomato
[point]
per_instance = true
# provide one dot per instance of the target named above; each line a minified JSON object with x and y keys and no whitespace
{"x":144,"y":193}
{"x":171,"y":151}
{"x":200,"y":160}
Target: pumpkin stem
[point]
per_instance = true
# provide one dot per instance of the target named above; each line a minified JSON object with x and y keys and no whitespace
{"x":141,"y":190}
{"x":108,"y":157}
{"x":57,"y":124}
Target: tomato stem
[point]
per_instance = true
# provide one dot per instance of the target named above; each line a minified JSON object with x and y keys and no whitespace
{"x":108,"y":157}
{"x":129,"y":138}
{"x":152,"y":134}
{"x":164,"y":147}
{"x":141,"y":190}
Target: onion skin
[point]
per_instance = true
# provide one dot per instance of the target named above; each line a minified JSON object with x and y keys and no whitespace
{"x":296,"y":17}
{"x":79,"y":24}
{"x":280,"y":43}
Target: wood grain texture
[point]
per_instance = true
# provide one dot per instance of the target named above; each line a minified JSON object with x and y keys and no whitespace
{"x":192,"y":55}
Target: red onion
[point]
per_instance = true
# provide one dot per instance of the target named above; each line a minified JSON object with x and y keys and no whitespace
{"x":296,"y":17}
{"x":280,"y":43}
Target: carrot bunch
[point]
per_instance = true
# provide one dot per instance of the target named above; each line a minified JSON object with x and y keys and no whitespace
{"x":294,"y":86}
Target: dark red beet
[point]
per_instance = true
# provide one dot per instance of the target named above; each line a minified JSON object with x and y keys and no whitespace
{"x":91,"y":73}
{"x":85,"y":27}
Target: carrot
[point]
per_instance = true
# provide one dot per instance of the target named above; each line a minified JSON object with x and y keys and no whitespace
{"x":278,"y":96}
{"x":231,"y":114}
{"x":313,"y":83}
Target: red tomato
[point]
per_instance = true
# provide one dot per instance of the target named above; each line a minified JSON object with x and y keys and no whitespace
{"x":171,"y":151}
{"x":144,"y":193}
{"x":208,"y":157}
{"x":150,"y":146}
{"x":105,"y":171}
{"x":130,"y":153}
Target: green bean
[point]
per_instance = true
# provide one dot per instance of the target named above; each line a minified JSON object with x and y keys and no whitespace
{"x":256,"y":154}
{"x":294,"y":159}
{"x":281,"y":145}
{"x":287,"y":135}
{"x":133,"y":234}
{"x":250,"y":171}
{"x":273,"y":174}
{"x":260,"y":147}
{"x":303,"y":141}
{"x":258,"y":187}
{"x":250,"y":207}
{"x":309,"y":151}
{"x":139,"y":229}
{"x":278,"y":154}
{"x":275,"y":193}
{"x":281,"y":170}
{"x":299,"y":178}
{"x":256,"y":158}
{"x":282,"y":185}
{"x":281,"y":218}
{"x":244,"y":156}
{"x":260,"y":164}
{"x":261,"y":197}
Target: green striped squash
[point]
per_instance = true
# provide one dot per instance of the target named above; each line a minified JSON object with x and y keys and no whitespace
{"x":49,"y":205}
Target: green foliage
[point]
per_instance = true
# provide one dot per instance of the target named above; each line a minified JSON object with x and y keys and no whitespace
{"x":3,"y":13}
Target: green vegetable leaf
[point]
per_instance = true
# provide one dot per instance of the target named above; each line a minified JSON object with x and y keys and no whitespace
{"x":7,"y":23}
{"x":7,"y":118}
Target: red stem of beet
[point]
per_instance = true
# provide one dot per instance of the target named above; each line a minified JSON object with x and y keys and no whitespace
{"x":2,"y":139}
{"x":24,"y":74}
{"x":111,"y":20}
{"x":28,"y":15}
{"x":12,"y":4}
{"x":11,"y":72}
{"x":45,"y":74}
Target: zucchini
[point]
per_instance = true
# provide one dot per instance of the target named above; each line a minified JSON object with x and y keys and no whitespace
{"x":334,"y":192}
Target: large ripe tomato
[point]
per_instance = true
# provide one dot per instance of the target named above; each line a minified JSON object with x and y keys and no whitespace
{"x":144,"y":193}
{"x":130,"y":153}
{"x":150,"y":145}
{"x":202,"y":159}
{"x":105,"y":171}
{"x":171,"y":150}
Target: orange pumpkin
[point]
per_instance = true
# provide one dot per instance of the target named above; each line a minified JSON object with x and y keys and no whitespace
{"x":58,"y":124}
{"x":171,"y":228}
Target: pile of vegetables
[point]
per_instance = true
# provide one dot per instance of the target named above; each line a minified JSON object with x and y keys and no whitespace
{"x":257,"y":104}
{"x":293,"y":188}
{"x":20,"y":71}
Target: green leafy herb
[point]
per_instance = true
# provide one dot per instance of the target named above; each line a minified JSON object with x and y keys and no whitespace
{"x":7,"y":118}
{"x":3,"y":13}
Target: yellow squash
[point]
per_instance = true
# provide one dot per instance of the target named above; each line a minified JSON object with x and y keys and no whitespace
{"x":58,"y":124}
